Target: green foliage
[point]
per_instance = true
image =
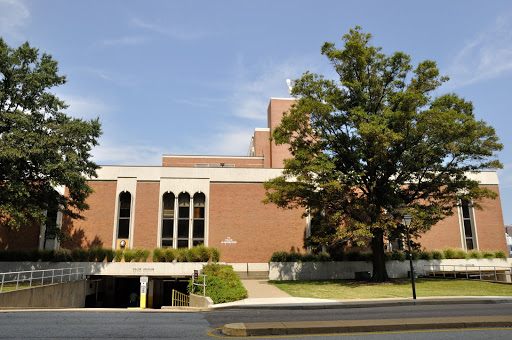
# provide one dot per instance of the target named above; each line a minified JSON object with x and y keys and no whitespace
{"x":195,"y":254}
{"x":118,"y":255}
{"x":460,"y":254}
{"x":109,"y":254}
{"x":222,"y":284}
{"x":41,"y":148}
{"x":488,"y":254}
{"x":449,"y":253}
{"x":62,"y":255}
{"x":46,"y":255}
{"x":377,"y":143}
{"x":181,"y":254}
{"x":140,"y":255}
{"x":398,"y":255}
{"x":129,"y":255}
{"x":500,"y":254}
{"x":437,"y":255}
{"x":158,"y":255}
{"x":80,"y":255}
{"x":279,"y":256}
{"x":323,"y":257}
{"x":474,"y":254}
{"x":426,"y":255}
{"x":170,"y":254}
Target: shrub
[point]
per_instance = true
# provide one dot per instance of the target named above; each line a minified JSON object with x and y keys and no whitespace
{"x":353,"y":255}
{"x":204,"y":253}
{"x":129,"y":255}
{"x":222,"y":284}
{"x":158,"y":255}
{"x":181,"y":255}
{"x":500,"y":254}
{"x":46,"y":255}
{"x":487,"y":254}
{"x":426,"y":255}
{"x":460,"y":254}
{"x":449,"y":253}
{"x":279,"y":256}
{"x":437,"y":255}
{"x":215,"y":254}
{"x":109,"y":253}
{"x":80,"y":255}
{"x":323,"y":257}
{"x":309,"y":258}
{"x":118,"y":255}
{"x":140,"y":255}
{"x":97,"y":254}
{"x":398,"y":255}
{"x":474,"y":254}
{"x":294,"y":257}
{"x":193,"y":255}
{"x":62,"y":255}
{"x":415,"y":255}
{"x":170,"y":254}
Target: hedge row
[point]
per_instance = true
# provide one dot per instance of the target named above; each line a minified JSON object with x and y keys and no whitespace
{"x":222,"y":284}
{"x":282,"y":256}
{"x":100,"y":254}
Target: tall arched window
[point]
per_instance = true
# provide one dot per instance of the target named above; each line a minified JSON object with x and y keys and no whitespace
{"x":168,"y":219}
{"x":468,"y":224}
{"x":123,"y":228}
{"x":198,"y":225}
{"x":183,"y":220}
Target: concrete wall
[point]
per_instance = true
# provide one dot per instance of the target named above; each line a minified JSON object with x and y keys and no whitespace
{"x":346,"y":270}
{"x":200,"y":301}
{"x":68,"y":294}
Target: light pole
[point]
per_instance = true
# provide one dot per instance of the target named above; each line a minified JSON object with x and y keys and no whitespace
{"x":406,"y":221}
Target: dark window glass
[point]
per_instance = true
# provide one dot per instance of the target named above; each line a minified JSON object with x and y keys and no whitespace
{"x":124,"y":228}
{"x":184,"y":205}
{"x":469,"y":243}
{"x":467,"y":228}
{"x":167,"y":228}
{"x":197,"y":242}
{"x":182,"y":243}
{"x":198,"y":231}
{"x":183,"y":228}
{"x":125,"y":200}
{"x":168,"y":203}
{"x":465,"y":209}
{"x":166,"y":243}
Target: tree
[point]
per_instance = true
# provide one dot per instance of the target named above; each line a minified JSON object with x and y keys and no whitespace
{"x":374,"y":145}
{"x":41,"y":148}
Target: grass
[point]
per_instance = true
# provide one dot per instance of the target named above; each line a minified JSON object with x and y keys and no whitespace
{"x":346,"y":289}
{"x":12,"y":286}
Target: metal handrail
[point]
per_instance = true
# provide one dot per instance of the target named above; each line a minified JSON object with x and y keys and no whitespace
{"x":42,"y":277}
{"x":470,"y":271}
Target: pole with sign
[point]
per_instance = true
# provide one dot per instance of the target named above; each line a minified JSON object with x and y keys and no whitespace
{"x":143,"y":291}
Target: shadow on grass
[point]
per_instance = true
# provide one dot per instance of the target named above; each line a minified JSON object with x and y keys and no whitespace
{"x":353,"y":283}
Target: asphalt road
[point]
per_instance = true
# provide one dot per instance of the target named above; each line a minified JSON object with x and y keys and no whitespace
{"x":175,"y":325}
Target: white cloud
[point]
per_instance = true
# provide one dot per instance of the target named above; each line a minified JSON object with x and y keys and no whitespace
{"x":13,"y":16}
{"x":123,"y":80}
{"x":180,"y":33}
{"x":234,"y":141}
{"x":85,"y":107}
{"x":487,"y":56}
{"x":131,"y":40}
{"x":251,"y":95}
{"x":108,"y":153}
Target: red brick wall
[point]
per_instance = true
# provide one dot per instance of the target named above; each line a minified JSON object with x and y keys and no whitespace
{"x":191,"y":162}
{"x":98,"y":226}
{"x":275,"y":114}
{"x":262,"y":146}
{"x":27,"y":237}
{"x":236,"y":211}
{"x":146,"y":215}
{"x":489,"y":225}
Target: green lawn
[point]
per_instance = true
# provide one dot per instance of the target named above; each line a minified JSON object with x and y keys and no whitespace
{"x":346,"y":289}
{"x":12,"y":286}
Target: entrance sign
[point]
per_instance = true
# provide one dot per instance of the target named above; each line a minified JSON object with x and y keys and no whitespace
{"x":143,"y":291}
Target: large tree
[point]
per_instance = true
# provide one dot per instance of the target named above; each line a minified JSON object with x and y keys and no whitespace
{"x":41,"y":148}
{"x":375,"y":144}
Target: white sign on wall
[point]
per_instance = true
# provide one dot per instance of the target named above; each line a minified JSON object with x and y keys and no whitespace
{"x":228,"y":240}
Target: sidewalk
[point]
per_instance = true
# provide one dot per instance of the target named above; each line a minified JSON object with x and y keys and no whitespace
{"x":262,"y":295}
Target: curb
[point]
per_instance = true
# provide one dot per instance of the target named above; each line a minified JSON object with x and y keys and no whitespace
{"x":352,"y":326}
{"x":368,"y":304}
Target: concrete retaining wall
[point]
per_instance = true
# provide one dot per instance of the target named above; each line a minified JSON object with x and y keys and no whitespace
{"x":200,"y":301}
{"x":68,"y":294}
{"x":128,"y":268}
{"x":346,"y":270}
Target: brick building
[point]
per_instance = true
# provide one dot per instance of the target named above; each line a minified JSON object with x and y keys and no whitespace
{"x":217,"y":201}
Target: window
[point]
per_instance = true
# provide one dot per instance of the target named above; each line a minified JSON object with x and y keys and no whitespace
{"x":123,"y":228}
{"x":183,"y":220}
{"x":168,"y":219}
{"x":198,"y":225}
{"x":468,"y":224}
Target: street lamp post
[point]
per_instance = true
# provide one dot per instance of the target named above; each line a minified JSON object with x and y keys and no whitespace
{"x":406,"y":221}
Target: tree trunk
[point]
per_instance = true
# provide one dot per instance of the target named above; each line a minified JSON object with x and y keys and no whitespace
{"x":380,"y":273}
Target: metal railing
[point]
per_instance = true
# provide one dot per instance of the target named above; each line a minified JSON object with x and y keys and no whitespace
{"x":470,"y":272}
{"x":179,"y":299}
{"x":36,"y":278}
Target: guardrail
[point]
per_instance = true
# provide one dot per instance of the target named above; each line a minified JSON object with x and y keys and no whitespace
{"x":179,"y":299}
{"x":470,"y":272}
{"x":40,"y":277}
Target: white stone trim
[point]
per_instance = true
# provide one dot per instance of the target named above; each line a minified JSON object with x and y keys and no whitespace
{"x":125,"y":183}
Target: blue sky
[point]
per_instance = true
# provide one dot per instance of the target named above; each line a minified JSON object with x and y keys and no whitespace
{"x":195,"y":77}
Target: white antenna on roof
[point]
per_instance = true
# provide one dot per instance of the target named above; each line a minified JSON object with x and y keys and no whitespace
{"x":289,"y":84}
